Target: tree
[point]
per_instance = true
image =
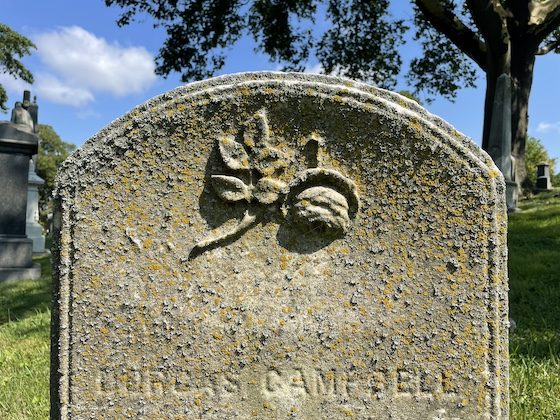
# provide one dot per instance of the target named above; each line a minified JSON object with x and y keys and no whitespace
{"x":408,"y":94}
{"x":556,"y":180}
{"x":13,"y":47}
{"x":499,"y":36}
{"x":52,"y":152}
{"x":534,"y":155}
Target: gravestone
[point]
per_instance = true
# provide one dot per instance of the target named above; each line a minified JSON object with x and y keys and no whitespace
{"x":269,"y":245}
{"x":18,"y":142}
{"x":543,"y":177}
{"x":33,"y":229}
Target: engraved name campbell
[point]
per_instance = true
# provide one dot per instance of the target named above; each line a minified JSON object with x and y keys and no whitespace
{"x":296,"y":382}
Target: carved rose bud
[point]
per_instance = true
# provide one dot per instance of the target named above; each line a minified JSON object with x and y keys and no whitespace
{"x":322,"y":199}
{"x":323,"y":208}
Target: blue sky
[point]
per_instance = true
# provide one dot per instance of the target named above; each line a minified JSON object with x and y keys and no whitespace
{"x":88,"y":72}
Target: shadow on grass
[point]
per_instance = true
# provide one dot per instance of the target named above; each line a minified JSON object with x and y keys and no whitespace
{"x":21,"y":299}
{"x":534,"y":278}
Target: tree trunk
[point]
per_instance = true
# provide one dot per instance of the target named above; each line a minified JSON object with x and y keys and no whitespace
{"x":520,"y":68}
{"x":522,"y":80}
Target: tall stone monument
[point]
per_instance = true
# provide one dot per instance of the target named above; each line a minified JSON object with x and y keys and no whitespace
{"x":18,"y":142}
{"x":280,"y":246}
{"x":499,"y":146}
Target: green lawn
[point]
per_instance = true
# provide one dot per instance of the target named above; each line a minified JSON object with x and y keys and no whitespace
{"x":534,"y":276}
{"x":534,"y":266}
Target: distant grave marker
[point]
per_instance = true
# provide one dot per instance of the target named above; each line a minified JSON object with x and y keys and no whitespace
{"x":543,"y":177}
{"x":270,"y":245}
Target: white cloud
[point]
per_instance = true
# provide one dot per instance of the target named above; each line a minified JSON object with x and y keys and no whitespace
{"x":316,"y":68}
{"x":86,"y":63}
{"x":13,"y":85}
{"x":54,"y":90}
{"x":546,"y":127}
{"x":88,"y":113}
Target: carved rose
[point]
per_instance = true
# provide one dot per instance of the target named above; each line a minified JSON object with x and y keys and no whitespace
{"x":317,"y":198}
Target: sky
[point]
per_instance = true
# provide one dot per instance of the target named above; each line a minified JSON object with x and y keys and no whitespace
{"x":89,"y":72}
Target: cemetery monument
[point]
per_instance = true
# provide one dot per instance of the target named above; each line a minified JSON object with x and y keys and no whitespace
{"x":18,"y":142}
{"x":33,"y":229}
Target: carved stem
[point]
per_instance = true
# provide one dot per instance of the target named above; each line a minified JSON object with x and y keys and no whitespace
{"x":245,"y":223}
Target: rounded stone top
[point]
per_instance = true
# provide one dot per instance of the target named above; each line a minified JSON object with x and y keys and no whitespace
{"x":279,"y":85}
{"x":264,"y":244}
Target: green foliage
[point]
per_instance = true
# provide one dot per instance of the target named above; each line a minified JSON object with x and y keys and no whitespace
{"x":408,"y":94}
{"x":535,"y":153}
{"x":361,"y":42}
{"x":555,"y":180}
{"x":361,"y":39}
{"x":52,"y":152}
{"x":442,"y":69}
{"x":13,"y":47}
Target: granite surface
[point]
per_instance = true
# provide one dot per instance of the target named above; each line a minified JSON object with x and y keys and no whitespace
{"x":274,"y":246}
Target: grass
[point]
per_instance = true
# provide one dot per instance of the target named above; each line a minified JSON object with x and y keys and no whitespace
{"x":24,"y":347}
{"x":534,"y":273}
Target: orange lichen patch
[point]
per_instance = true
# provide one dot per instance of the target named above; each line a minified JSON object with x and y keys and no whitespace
{"x":244,"y":90}
{"x":96,"y":282}
{"x":284,"y":260}
{"x":493,"y":173}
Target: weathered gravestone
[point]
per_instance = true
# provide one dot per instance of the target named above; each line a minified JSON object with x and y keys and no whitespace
{"x":271,"y":245}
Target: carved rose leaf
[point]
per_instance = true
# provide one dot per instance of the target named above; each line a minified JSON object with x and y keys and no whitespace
{"x":230,"y":188}
{"x":233,"y":154}
{"x":269,"y":190}
{"x":266,"y":159}
{"x":256,"y":133}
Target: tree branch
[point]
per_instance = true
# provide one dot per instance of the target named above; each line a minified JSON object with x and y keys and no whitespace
{"x":548,"y":47}
{"x":446,"y":22}
{"x":490,"y":17}
{"x":540,"y":11}
{"x":544,"y":17}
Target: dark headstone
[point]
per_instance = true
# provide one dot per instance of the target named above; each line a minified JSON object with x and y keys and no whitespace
{"x":543,"y":177}
{"x":17,"y":144}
